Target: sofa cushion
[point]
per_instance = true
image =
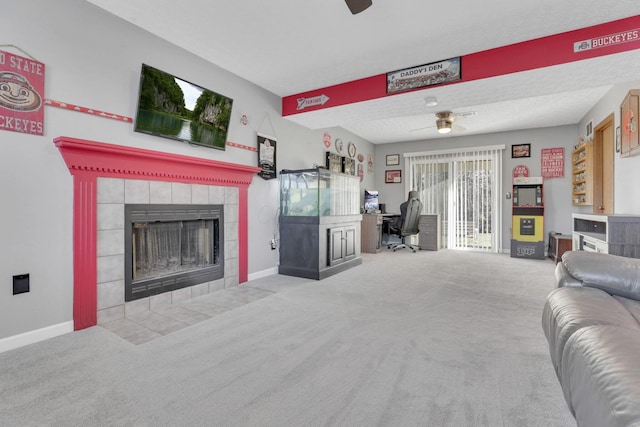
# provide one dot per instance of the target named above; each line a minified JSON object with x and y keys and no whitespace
{"x":601,"y":376}
{"x":631,"y":305}
{"x":613,"y":274}
{"x":569,"y":309}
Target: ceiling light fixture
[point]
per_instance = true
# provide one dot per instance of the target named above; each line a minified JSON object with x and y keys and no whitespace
{"x":443,"y":125}
{"x":431,"y":101}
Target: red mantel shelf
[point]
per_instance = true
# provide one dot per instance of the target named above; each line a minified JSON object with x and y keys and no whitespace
{"x":120,"y":161}
{"x":89,"y":160}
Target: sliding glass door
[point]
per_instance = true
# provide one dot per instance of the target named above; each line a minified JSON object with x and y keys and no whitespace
{"x":472,"y":205}
{"x":463,"y":187}
{"x":432,"y":181}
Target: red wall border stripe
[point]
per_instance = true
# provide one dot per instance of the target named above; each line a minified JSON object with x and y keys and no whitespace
{"x":89,"y":160}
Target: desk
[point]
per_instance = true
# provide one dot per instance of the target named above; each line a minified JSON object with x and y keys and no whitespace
{"x":387,"y":220}
{"x":371,"y":233}
{"x":374,"y":226}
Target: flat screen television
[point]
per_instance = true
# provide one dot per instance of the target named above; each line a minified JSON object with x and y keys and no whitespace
{"x":371,"y":200}
{"x":174,"y":108}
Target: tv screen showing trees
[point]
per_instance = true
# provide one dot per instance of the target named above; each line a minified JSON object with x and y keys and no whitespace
{"x":174,"y":108}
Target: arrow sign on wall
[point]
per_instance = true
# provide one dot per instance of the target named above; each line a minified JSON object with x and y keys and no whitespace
{"x":311,"y":102}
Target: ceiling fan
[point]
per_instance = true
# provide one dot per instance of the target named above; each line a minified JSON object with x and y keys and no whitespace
{"x":445,"y":119}
{"x":357,"y":6}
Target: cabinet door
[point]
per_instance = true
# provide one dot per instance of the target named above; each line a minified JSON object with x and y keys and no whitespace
{"x":335,"y":246}
{"x":341,"y":244}
{"x":350,"y":236}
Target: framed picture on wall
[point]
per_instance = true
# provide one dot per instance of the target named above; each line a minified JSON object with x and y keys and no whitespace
{"x":348,"y":165}
{"x":629,"y":112}
{"x":267,"y":156}
{"x":393,"y":177}
{"x":333,"y":161}
{"x":520,"y":150}
{"x":589,"y":130}
{"x":393,"y":159}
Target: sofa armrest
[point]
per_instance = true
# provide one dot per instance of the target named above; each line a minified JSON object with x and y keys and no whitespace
{"x":563,"y":278}
{"x":613,"y":274}
{"x":570,"y":309}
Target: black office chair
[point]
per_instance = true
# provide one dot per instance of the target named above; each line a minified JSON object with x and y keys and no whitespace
{"x":407,"y":224}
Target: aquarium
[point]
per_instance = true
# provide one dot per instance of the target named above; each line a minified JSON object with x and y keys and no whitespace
{"x":318,"y":192}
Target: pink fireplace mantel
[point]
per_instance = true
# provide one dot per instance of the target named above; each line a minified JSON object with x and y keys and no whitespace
{"x":89,"y":160}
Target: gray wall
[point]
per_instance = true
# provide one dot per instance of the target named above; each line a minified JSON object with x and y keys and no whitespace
{"x":93,"y":60}
{"x":626,"y":170}
{"x":557,"y":191}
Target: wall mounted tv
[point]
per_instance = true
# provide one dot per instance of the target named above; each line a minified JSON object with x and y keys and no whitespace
{"x":174,"y":108}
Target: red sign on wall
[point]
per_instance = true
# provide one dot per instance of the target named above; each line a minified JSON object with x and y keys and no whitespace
{"x":21,"y":94}
{"x":552,"y":162}
{"x":520,"y":170}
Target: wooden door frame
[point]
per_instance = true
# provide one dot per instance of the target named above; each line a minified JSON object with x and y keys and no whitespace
{"x":598,"y":165}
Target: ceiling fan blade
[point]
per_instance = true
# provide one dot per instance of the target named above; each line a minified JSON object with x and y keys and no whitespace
{"x":446,"y":121}
{"x":419,"y":129}
{"x":454,"y":128}
{"x":357,"y":6}
{"x":462,"y":115}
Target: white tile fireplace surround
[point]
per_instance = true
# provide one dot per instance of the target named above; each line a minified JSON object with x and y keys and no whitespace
{"x":112,"y":195}
{"x":108,"y":176}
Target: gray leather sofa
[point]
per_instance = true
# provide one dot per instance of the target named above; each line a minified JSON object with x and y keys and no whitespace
{"x":592,"y":324}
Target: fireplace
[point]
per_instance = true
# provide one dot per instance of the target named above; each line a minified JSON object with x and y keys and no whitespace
{"x":128,"y":175}
{"x":170,"y":247}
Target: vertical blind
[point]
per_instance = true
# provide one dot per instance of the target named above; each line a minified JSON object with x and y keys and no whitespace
{"x":463,"y":186}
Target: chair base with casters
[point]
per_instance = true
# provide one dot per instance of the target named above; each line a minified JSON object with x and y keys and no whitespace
{"x":403,"y":244}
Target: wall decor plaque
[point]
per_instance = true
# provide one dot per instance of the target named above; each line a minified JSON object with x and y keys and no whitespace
{"x":629,"y":144}
{"x":21,"y":94}
{"x":333,"y":161}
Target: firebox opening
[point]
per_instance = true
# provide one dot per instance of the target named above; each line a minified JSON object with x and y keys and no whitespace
{"x":169,"y":247}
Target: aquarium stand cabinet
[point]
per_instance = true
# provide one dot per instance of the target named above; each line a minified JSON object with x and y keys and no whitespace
{"x":319,"y":223}
{"x":318,"y":247}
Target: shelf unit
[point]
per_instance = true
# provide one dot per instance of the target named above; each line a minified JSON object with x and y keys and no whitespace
{"x":582,"y":174}
{"x":608,"y":234}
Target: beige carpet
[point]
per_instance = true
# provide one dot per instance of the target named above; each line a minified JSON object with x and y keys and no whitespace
{"x":441,"y":338}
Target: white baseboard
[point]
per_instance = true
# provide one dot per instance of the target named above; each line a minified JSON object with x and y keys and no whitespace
{"x":33,"y":337}
{"x":263,"y":273}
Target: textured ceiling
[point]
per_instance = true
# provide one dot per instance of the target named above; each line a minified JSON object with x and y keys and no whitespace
{"x":293,"y":46}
